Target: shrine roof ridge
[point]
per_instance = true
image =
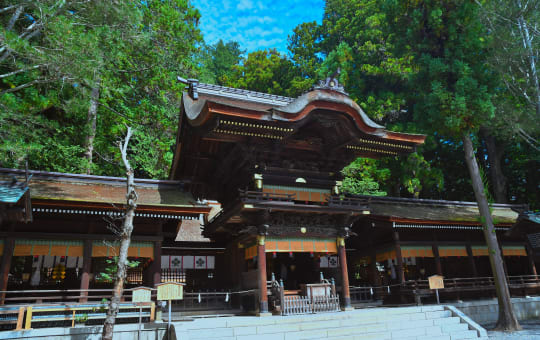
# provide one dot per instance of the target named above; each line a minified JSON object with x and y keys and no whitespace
{"x":426,"y":201}
{"x":84,"y":178}
{"x":103,"y":192}
{"x":246,"y":95}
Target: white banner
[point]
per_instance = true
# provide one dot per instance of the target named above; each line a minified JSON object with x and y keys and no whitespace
{"x":165,"y":264}
{"x":200,"y":262}
{"x":176,"y":262}
{"x":211,"y":262}
{"x":188,"y":262}
{"x":329,"y":262}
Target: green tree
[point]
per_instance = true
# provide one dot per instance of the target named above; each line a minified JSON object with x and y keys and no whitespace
{"x":453,"y":91}
{"x":362,"y":177}
{"x":270,"y":72}
{"x":218,"y":61}
{"x":95,"y":65}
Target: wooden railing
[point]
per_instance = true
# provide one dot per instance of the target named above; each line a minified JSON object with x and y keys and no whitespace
{"x":195,"y":301}
{"x":259,"y":196}
{"x":58,"y":295}
{"x":348,"y":202}
{"x":36,"y":316}
{"x":518,"y":285}
{"x":362,"y":294}
{"x":292,"y":303}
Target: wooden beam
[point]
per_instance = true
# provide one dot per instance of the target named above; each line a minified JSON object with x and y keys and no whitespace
{"x":64,"y":236}
{"x":9,"y":246}
{"x":86,"y":269}
{"x":114,"y":206}
{"x":401,"y":272}
{"x":472,"y":263}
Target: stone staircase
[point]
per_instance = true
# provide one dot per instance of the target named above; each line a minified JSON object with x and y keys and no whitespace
{"x":403,"y":323}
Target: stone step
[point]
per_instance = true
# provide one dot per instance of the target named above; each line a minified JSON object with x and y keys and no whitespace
{"x":403,"y":323}
{"x":469,"y":334}
{"x":447,"y":320}
{"x":456,"y":327}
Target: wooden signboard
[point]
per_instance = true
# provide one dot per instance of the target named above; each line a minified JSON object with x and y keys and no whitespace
{"x":170,"y":291}
{"x":436,"y":282}
{"x":141,"y":294}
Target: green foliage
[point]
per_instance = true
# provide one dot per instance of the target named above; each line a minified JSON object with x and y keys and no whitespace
{"x":218,"y":61}
{"x":81,"y":318}
{"x":131,"y":53}
{"x":111,"y":269}
{"x":453,"y":88}
{"x":270,"y":72}
{"x":362,"y":177}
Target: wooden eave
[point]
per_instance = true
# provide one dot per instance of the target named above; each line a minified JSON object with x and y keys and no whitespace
{"x":235,"y":215}
{"x":115,"y":207}
{"x":430,"y":222}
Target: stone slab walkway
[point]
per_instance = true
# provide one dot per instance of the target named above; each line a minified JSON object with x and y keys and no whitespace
{"x":531,"y":331}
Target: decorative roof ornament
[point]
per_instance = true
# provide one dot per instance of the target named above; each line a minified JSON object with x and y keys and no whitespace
{"x":331,"y":83}
{"x":193,"y":86}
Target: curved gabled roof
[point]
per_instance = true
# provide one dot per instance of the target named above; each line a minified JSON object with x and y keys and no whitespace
{"x":211,"y":100}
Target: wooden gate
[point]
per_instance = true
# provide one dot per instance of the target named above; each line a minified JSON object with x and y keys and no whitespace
{"x":295,"y":304}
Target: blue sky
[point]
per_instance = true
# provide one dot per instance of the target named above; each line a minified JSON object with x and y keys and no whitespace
{"x":255,"y":24}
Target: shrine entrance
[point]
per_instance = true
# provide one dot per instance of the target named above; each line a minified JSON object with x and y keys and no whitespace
{"x":293,"y":269}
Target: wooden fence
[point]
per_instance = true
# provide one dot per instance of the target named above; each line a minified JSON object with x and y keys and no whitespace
{"x":476,"y":286}
{"x":46,"y":315}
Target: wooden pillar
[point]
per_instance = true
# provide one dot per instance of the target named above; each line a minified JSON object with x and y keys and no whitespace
{"x":9,"y":246}
{"x":502,"y":257}
{"x":86,"y":268}
{"x":472,"y":263}
{"x":530,"y":258}
{"x":156,"y":265}
{"x":400,"y":272}
{"x":438,"y":266}
{"x":261,"y":265}
{"x":344,"y":273}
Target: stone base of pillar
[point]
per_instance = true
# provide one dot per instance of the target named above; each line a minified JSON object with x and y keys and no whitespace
{"x":263,"y":308}
{"x":346,"y":304}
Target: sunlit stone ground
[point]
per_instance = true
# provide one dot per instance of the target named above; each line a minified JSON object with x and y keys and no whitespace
{"x":531,"y":331}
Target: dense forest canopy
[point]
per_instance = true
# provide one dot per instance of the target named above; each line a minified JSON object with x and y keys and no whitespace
{"x":74,"y":73}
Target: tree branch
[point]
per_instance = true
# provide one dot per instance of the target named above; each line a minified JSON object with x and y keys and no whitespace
{"x":14,"y":18}
{"x":5,"y":75}
{"x":123,"y":149}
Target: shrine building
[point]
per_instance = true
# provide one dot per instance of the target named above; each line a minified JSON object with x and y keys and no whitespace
{"x":253,"y":204}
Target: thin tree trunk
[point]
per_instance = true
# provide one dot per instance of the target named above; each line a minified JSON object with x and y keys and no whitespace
{"x":14,"y":18}
{"x":531,"y":56}
{"x":91,"y":121}
{"x":495,"y":154}
{"x":507,"y":320}
{"x":125,"y":238}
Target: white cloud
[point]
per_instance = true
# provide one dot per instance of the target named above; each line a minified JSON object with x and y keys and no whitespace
{"x":255,"y":24}
{"x":245,"y":5}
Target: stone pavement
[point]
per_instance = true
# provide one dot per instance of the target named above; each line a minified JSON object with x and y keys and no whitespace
{"x":531,"y":331}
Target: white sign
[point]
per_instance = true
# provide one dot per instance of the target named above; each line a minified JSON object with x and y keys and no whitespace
{"x":436,"y":282}
{"x":141,"y":294}
{"x":170,"y":291}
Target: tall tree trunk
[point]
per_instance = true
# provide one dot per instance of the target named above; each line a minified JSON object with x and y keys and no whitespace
{"x":91,"y":120}
{"x":507,"y":320}
{"x":125,"y":238}
{"x":527,"y":39}
{"x":495,"y":153}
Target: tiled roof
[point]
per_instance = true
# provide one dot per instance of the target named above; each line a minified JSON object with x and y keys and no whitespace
{"x":101,"y":189}
{"x":244,"y":95}
{"x":438,"y":210}
{"x":11,"y":192}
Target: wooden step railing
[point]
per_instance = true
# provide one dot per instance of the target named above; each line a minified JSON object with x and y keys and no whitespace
{"x":36,"y":316}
